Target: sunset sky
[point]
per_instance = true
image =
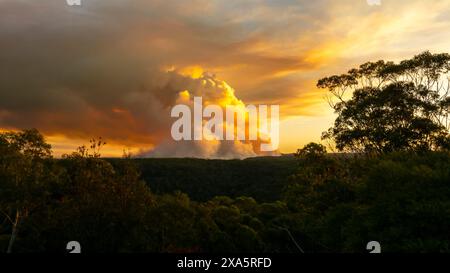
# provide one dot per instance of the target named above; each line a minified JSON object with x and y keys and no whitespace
{"x":114,"y":68}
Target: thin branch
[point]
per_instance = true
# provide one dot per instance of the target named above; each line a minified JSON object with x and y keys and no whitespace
{"x":8,"y":217}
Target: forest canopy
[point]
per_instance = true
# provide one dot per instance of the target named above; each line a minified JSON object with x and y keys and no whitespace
{"x":328,"y":203}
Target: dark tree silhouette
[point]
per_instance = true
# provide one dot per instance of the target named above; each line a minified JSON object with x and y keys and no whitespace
{"x":24,"y":177}
{"x":393,"y":107}
{"x":312,"y":150}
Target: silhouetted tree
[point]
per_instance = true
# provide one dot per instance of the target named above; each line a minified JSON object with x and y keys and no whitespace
{"x":393,"y":107}
{"x":312,"y":150}
{"x":24,"y":177}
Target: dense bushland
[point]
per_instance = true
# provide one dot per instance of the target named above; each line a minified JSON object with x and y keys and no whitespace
{"x":327,"y":204}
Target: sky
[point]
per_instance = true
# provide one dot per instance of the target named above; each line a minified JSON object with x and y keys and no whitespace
{"x":115,"y":68}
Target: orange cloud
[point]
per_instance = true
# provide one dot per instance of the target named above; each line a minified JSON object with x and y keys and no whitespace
{"x":78,"y":73}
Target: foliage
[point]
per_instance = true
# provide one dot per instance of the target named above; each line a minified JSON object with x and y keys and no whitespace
{"x":331,"y":203}
{"x":204,"y":179}
{"x":394,"y":107}
{"x":25,"y":178}
{"x":400,"y":200}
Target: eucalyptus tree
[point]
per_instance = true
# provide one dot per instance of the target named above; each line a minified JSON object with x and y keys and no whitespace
{"x":385,"y":106}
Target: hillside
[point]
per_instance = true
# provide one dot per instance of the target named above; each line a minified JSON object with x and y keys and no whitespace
{"x":262,"y":178}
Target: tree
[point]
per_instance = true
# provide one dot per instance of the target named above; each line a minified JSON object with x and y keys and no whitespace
{"x":105,"y":207}
{"x":24,"y":176}
{"x":312,"y":150}
{"x":393,"y":107}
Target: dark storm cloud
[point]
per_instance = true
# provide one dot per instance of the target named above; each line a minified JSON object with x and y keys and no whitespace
{"x":101,"y":69}
{"x":97,"y":69}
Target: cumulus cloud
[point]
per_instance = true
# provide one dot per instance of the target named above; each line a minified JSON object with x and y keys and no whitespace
{"x":115,"y":68}
{"x":98,"y":71}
